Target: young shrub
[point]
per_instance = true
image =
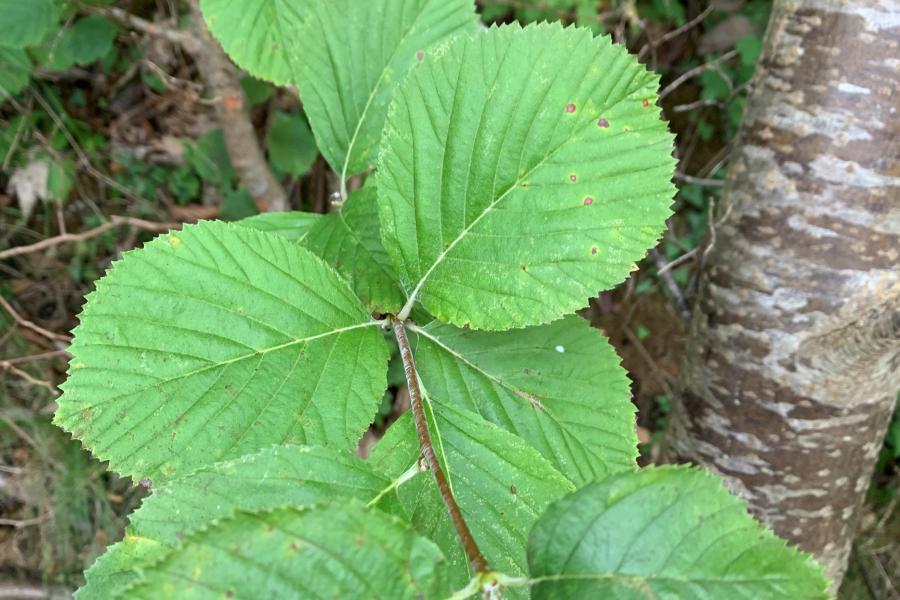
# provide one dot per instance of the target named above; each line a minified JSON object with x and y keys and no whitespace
{"x":234,"y":368}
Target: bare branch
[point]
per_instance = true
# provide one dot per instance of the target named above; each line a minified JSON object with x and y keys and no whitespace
{"x":676,"y":32}
{"x":176,"y":36}
{"x":114,"y":221}
{"x":29,"y":325}
{"x":695,"y":72}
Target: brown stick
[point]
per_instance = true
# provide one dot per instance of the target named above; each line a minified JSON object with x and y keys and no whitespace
{"x":29,"y":325}
{"x":114,"y":221}
{"x":173,"y":35}
{"x":473,"y":553}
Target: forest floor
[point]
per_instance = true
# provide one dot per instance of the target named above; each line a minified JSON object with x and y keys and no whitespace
{"x":131,"y":136}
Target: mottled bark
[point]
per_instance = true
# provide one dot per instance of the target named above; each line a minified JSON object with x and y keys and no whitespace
{"x":794,"y":359}
{"x":232,"y":112}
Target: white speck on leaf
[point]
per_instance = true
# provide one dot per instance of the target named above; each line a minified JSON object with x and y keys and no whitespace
{"x":560,"y":349}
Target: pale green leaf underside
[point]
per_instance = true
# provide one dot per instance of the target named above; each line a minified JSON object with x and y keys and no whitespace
{"x":667,"y":533}
{"x":337,"y":551}
{"x":260,"y":36}
{"x":502,"y":486}
{"x":293,"y":225}
{"x":349,"y":240}
{"x":522,"y":171}
{"x":558,"y":386}
{"x":353,"y":55}
{"x":26,"y":22}
{"x":297,"y":476}
{"x":214,"y":342}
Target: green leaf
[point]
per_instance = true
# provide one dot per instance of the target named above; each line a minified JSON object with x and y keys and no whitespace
{"x":292,"y":148}
{"x":209,"y":157}
{"x":89,"y":39}
{"x":237,"y":204}
{"x":522,"y":170}
{"x":749,"y":47}
{"x":256,"y":90}
{"x":668,"y":532}
{"x":60,"y":178}
{"x":293,"y":225}
{"x":559,"y":387}
{"x":214,"y":342}
{"x":298,"y":476}
{"x":26,"y":22}
{"x":502,"y":486}
{"x":355,"y":52}
{"x":341,"y":551}
{"x":349,"y":240}
{"x":15,"y":71}
{"x":260,"y":36}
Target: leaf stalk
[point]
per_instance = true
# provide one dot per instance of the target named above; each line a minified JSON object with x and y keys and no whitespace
{"x":473,"y":552}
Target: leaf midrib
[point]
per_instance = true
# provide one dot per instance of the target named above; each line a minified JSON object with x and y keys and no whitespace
{"x":446,"y":251}
{"x":216,"y":365}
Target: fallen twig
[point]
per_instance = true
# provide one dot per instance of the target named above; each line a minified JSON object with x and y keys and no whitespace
{"x":29,"y":325}
{"x":114,"y":221}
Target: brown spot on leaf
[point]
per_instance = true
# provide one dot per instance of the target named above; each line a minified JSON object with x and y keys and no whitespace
{"x":594,"y":250}
{"x":573,"y":177}
{"x":588,"y":200}
{"x":645,"y":103}
{"x":570,"y":108}
{"x":512,"y":489}
{"x":601,"y":122}
{"x":420,"y":56}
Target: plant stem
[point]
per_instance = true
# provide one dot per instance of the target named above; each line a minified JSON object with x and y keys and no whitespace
{"x":473,"y":553}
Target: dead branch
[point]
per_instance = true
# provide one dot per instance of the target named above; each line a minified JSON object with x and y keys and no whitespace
{"x":29,"y":325}
{"x":114,"y":221}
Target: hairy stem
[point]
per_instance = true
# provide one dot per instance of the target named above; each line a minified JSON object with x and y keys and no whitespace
{"x":473,"y":553}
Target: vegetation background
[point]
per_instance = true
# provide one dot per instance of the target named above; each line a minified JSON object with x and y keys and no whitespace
{"x":111,"y":136}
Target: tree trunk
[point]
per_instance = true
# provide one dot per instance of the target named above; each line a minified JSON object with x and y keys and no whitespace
{"x":793,"y":365}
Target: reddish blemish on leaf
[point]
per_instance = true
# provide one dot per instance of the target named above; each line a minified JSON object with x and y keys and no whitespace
{"x":420,"y":56}
{"x":512,"y":489}
{"x":588,"y":200}
{"x":645,"y":103}
{"x":573,"y":178}
{"x":570,"y":108}
{"x":594,"y":250}
{"x":465,"y":325}
{"x":601,"y":122}
{"x":146,"y":484}
{"x":229,"y":594}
